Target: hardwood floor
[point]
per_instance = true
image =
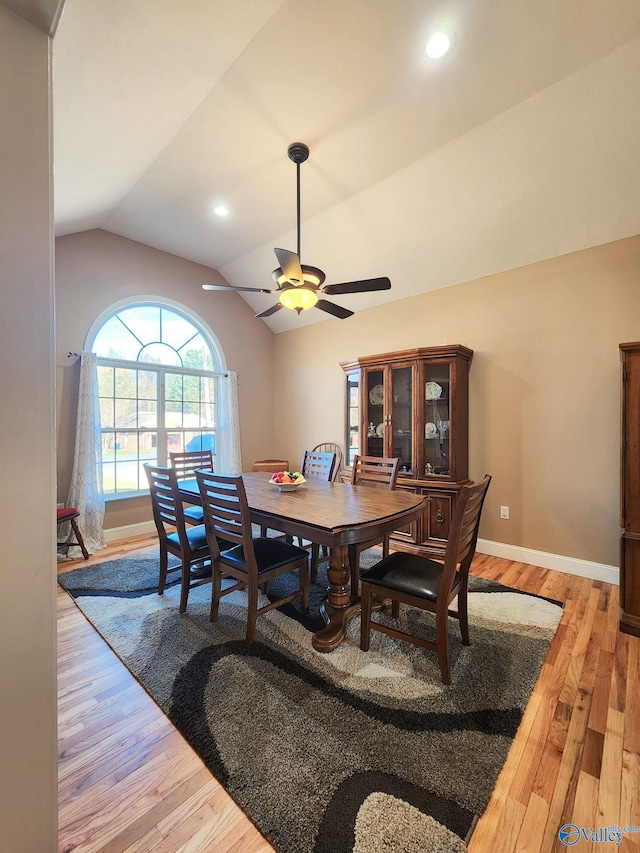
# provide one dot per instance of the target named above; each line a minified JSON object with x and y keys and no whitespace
{"x":129,"y":782}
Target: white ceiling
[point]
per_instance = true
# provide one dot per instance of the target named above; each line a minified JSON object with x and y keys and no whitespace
{"x":521,"y":144}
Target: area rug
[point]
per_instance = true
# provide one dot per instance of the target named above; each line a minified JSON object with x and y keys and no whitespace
{"x":329,"y":753}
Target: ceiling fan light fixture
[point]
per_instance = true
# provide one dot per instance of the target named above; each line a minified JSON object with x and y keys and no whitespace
{"x":298,"y":298}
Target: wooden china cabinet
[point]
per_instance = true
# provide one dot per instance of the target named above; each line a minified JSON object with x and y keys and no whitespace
{"x":630,"y":491}
{"x":414,"y":404}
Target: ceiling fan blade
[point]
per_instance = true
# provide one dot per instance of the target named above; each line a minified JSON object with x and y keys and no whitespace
{"x":233,"y":287}
{"x":364,"y":286}
{"x":332,"y":308}
{"x":290,"y":265}
{"x":270,"y":311}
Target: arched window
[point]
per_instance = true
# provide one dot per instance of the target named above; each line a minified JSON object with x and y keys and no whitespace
{"x":158,"y":371}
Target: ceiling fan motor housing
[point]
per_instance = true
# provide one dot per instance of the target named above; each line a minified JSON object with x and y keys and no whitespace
{"x":313,"y":277}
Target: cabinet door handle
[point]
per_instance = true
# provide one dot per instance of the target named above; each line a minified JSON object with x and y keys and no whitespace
{"x":439,"y":517}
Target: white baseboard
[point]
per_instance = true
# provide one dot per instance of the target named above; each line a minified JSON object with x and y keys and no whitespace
{"x":112,"y":534}
{"x":570,"y":565}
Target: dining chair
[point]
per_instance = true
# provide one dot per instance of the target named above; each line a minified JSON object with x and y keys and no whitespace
{"x":186,"y":463}
{"x":330,"y":447}
{"x":269,"y":466}
{"x":428,"y":584}
{"x":252,"y":562}
{"x":376,"y":472}
{"x":317,"y":465}
{"x":70,"y":514}
{"x":188,"y":544}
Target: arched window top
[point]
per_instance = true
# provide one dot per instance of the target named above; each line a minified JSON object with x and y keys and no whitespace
{"x":155,"y":334}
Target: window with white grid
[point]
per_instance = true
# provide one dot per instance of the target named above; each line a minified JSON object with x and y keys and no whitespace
{"x":157,"y":380}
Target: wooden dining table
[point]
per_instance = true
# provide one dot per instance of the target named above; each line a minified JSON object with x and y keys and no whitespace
{"x":333,"y":514}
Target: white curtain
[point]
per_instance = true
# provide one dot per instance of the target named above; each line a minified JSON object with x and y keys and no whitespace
{"x":86,"y":493}
{"x":228,"y":455}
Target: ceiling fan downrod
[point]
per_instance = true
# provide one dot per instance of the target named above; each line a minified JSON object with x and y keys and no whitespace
{"x":298,"y":152}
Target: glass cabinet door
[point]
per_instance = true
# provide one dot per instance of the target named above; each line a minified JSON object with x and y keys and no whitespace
{"x":436,"y":388}
{"x":375,"y":420}
{"x":353,"y":417}
{"x":402,"y":418}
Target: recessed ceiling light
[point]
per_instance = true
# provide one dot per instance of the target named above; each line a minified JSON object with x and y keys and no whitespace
{"x":221,"y":210}
{"x":438,"y":45}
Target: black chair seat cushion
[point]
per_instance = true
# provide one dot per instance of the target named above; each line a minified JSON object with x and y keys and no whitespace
{"x":197,"y":538}
{"x":408,"y":573}
{"x":194,"y":513}
{"x":270,"y":554}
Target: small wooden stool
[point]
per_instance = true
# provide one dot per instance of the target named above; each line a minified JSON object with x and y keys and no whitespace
{"x":70,"y":513}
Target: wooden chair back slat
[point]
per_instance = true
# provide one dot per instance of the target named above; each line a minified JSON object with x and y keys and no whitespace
{"x":272,"y":466}
{"x":163,"y":498}
{"x":381,"y":472}
{"x":461,"y":544}
{"x":318,"y":465}
{"x":226,"y":511}
{"x":188,"y":462}
{"x":374,"y":472}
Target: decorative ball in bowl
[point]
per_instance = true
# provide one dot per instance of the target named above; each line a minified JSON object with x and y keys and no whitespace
{"x":287,"y":481}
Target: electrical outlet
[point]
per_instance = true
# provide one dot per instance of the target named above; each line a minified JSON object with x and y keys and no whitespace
{"x":504,"y":512}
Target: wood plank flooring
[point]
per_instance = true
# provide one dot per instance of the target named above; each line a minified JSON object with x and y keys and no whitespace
{"x":129,"y":783}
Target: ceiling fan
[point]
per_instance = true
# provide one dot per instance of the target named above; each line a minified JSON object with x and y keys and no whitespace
{"x":299,"y":285}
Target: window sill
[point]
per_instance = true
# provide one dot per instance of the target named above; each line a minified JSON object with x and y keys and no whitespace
{"x":126,"y":496}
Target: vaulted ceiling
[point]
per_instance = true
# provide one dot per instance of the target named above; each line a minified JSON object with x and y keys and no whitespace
{"x":519,"y":145}
{"x":43,"y":14}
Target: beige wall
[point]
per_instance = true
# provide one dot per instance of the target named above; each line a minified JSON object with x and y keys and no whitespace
{"x":27,"y":604}
{"x":544,"y":400}
{"x":544,"y":388}
{"x":94,"y":270}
